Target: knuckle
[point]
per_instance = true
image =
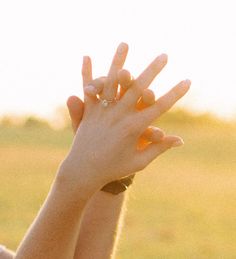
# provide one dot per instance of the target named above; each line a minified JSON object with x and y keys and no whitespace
{"x":117,"y":61}
{"x":127,"y":129}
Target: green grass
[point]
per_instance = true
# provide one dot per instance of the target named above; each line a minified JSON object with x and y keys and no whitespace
{"x":182,"y":206}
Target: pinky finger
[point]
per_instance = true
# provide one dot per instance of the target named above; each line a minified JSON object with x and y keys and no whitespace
{"x":146,"y":156}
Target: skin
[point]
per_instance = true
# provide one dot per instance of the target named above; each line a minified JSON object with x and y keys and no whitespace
{"x":105,"y":85}
{"x":103,"y":208}
{"x":6,"y":254}
{"x":103,"y":213}
{"x":124,"y":125}
{"x":90,"y":164}
{"x":101,"y":223}
{"x":102,"y":219}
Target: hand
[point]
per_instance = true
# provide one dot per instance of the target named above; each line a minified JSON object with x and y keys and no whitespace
{"x":124,"y":79}
{"x":105,"y":146}
{"x":76,"y":107}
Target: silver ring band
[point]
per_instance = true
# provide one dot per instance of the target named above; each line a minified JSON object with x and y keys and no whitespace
{"x":105,"y":102}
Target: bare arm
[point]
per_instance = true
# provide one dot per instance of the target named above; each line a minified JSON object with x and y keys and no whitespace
{"x":100,"y":226}
{"x":103,"y":216}
{"x":102,"y":219}
{"x":90,"y":165}
{"x":5,"y":253}
{"x":54,"y":232}
{"x":101,"y":223}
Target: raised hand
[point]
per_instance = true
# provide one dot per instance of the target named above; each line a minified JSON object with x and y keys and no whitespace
{"x":116,"y":77}
{"x":105,"y":145}
{"x":76,"y":109}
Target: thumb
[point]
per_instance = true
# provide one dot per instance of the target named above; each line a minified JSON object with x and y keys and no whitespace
{"x":76,"y":110}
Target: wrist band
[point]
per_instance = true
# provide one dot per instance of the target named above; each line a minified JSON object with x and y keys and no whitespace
{"x":118,"y":186}
{"x":2,"y":249}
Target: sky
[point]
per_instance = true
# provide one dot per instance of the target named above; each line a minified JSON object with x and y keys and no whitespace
{"x":42,"y":44}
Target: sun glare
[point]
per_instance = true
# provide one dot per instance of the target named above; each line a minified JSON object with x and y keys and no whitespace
{"x":42,"y":45}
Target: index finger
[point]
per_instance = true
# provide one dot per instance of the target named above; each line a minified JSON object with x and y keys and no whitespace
{"x":87,"y":71}
{"x":110,"y":90}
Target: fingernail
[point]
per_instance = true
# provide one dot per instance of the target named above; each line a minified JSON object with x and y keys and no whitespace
{"x":178,"y":143}
{"x":85,"y":59}
{"x":122,"y":48}
{"x":90,"y":89}
{"x":185,"y":85}
{"x":188,"y":82}
{"x":163,"y":57}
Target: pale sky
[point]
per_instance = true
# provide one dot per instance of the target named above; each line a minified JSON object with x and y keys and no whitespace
{"x":42,"y":44}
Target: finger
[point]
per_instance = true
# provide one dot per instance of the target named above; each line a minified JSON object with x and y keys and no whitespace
{"x":147,"y":99}
{"x":86,"y":75}
{"x":143,"y":81}
{"x":150,"y":135}
{"x":146,"y":156}
{"x":76,"y":110}
{"x":163,"y":104}
{"x":95,"y":87}
{"x":87,"y":71}
{"x":153,"y":134}
{"x":110,"y":90}
{"x":149,"y":74}
{"x":125,"y":81}
{"x":125,"y":78}
{"x":130,"y":98}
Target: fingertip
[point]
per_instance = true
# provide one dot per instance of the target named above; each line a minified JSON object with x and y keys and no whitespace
{"x":122,"y":48}
{"x":188,"y":83}
{"x":74,"y":103}
{"x":124,"y":78}
{"x":72,"y":100}
{"x":86,"y":70}
{"x":178,"y":143}
{"x":90,"y":90}
{"x":173,"y":141}
{"x":76,"y":109}
{"x":95,"y":87}
{"x":157,"y":134}
{"x":164,"y":58}
{"x":123,"y":73}
{"x":86,"y":60}
{"x":185,"y":86}
{"x":148,"y":97}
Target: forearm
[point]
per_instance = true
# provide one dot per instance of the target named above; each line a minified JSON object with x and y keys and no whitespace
{"x":5,"y":253}
{"x":100,"y":226}
{"x":54,"y":232}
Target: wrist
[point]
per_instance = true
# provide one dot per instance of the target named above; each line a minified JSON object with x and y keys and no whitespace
{"x":75,"y":181}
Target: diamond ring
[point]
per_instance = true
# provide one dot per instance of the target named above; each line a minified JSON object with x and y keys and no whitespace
{"x":105,"y":102}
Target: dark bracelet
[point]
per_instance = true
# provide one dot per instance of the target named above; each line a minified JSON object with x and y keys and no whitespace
{"x":118,"y":186}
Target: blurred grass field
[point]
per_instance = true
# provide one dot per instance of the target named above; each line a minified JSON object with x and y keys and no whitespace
{"x":182,"y":206}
